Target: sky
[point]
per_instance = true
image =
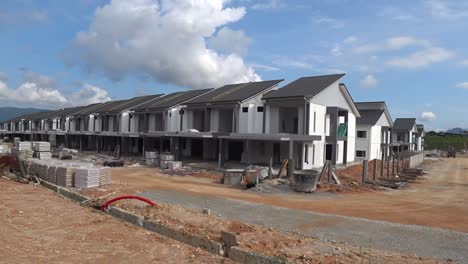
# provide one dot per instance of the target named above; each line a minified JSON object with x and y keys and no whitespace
{"x":411,"y":54}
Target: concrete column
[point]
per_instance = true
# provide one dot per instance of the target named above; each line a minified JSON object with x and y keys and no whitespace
{"x":81,"y":143}
{"x":382,"y":162}
{"x":365,"y":170}
{"x":291,"y":159}
{"x":220,"y":153}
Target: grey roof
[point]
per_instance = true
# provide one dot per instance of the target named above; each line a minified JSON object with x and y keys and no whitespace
{"x":375,"y":105}
{"x":404,"y":123}
{"x":369,"y":117}
{"x":305,"y":86}
{"x":69,"y":111}
{"x":116,"y":106}
{"x":128,"y":104}
{"x":234,"y":92}
{"x":170,"y":100}
{"x":32,"y":116}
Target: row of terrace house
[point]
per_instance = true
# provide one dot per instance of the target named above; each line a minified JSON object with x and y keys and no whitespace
{"x":308,"y":121}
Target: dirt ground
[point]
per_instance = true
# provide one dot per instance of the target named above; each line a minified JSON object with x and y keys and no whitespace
{"x":37,"y":226}
{"x":439,"y":199}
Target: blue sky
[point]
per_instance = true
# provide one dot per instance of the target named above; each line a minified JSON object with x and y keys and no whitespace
{"x":412,"y":54}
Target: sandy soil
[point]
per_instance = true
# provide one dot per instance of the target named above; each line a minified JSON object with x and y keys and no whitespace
{"x":37,"y":226}
{"x":292,"y":247}
{"x":440,"y":199}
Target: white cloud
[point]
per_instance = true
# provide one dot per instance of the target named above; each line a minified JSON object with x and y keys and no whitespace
{"x":264,"y":67}
{"x":428,"y":116}
{"x":350,"y":39}
{"x":369,"y":81}
{"x":329,"y":22}
{"x":448,"y":9}
{"x":269,"y":4}
{"x":394,"y":43}
{"x":164,"y":39}
{"x":31,"y":93}
{"x":295,"y":63}
{"x":395,"y":13}
{"x":464,"y":62}
{"x":463,"y":85}
{"x":39,"y":90}
{"x":89,"y":94}
{"x":336,"y":50}
{"x":231,"y":41}
{"x":422,"y":58}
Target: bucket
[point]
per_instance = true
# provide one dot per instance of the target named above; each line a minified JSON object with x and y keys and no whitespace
{"x":306,"y":180}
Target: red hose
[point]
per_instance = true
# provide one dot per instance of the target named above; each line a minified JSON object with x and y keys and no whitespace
{"x":148,"y":201}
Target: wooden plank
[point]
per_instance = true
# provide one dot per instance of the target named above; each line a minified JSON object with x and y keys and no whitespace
{"x":283,"y":166}
{"x":325,"y":166}
{"x":335,"y":178}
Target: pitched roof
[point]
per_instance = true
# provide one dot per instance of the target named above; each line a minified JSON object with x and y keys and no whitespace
{"x":69,"y":111}
{"x":375,"y":105}
{"x":127,"y":104}
{"x":305,"y":86}
{"x":369,"y":117}
{"x":31,"y":116}
{"x":116,"y":106}
{"x":404,"y":123}
{"x":170,"y":100}
{"x":234,"y":92}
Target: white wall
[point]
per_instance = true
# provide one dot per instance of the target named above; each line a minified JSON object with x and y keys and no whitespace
{"x":364,"y":143}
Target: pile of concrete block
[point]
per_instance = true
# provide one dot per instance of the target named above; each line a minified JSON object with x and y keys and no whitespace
{"x":87,"y":177}
{"x":65,"y":176}
{"x":69,"y":174}
{"x":174,"y":165}
{"x":22,"y":149}
{"x":4,"y":149}
{"x":151,"y":158}
{"x":42,"y":149}
{"x":105,"y":176}
{"x":165,"y":159}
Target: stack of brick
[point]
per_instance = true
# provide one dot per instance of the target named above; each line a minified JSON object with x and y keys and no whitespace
{"x":105,"y":176}
{"x":42,"y":150}
{"x":165,"y":159}
{"x":87,"y":177}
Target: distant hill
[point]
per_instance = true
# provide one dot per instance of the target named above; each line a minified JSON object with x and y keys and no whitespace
{"x":12,"y":112}
{"x":457,"y":130}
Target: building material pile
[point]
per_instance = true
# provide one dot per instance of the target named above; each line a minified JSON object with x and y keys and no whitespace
{"x":87,"y":177}
{"x":42,"y":149}
{"x":165,"y":159}
{"x":22,"y":149}
{"x":70,"y":174}
{"x":65,"y":176}
{"x":151,"y":158}
{"x":4,"y":149}
{"x":105,"y":176}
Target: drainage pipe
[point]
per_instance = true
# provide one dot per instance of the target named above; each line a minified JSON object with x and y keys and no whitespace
{"x":148,"y":201}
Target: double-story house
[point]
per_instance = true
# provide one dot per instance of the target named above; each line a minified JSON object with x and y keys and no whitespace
{"x":404,"y":134}
{"x":373,"y":131}
{"x":320,"y":113}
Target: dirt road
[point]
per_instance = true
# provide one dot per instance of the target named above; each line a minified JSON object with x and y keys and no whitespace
{"x":438,"y":200}
{"x":64,"y":232}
